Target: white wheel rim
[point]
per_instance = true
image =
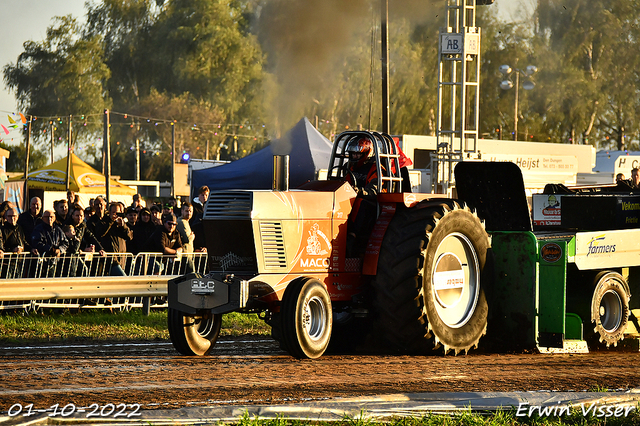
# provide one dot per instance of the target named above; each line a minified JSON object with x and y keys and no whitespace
{"x":610,"y":311}
{"x":314,"y":318}
{"x":454,"y":279}
{"x":203,"y":325}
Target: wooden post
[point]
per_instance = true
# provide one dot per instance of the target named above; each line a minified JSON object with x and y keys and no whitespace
{"x":69,"y":150}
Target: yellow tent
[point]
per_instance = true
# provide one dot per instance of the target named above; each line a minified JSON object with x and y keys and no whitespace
{"x":84,"y":179}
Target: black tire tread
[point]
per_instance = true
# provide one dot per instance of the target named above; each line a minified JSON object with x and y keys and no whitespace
{"x":400,"y":313}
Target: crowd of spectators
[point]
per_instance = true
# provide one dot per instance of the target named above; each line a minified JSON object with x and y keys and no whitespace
{"x":67,"y":228}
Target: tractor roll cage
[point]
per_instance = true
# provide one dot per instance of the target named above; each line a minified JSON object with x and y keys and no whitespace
{"x":387,"y":159}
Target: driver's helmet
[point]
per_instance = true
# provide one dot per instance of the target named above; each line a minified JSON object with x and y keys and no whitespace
{"x":360,"y":151}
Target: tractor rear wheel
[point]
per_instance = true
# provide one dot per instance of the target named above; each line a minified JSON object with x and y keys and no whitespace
{"x":305,"y":319}
{"x":609,"y":307}
{"x":428,"y":290}
{"x":193,"y":334}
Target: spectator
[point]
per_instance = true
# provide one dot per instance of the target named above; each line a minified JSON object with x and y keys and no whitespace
{"x":113,"y":234}
{"x":72,"y":239}
{"x":132,"y":217}
{"x":198,"y":204}
{"x":61,"y":209}
{"x":156,"y":215}
{"x":4,"y":206}
{"x":72,"y":198}
{"x":165,"y":239}
{"x":184,"y":229}
{"x":47,"y":238}
{"x":99,"y":205}
{"x":142,"y":231}
{"x":29,"y":219}
{"x":619,"y":177}
{"x":175,"y":207}
{"x":198,"y":213}
{"x":13,"y":236}
{"x":167,"y":208}
{"x":137,"y":203}
{"x":635,"y":178}
{"x":87,"y":242}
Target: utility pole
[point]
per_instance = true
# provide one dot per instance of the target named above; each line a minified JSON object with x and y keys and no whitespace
{"x":53,"y":139}
{"x":173,"y":159}
{"x":384,"y":33}
{"x":69,"y":149}
{"x":137,"y":150}
{"x":25,"y":198}
{"x":106,"y":155}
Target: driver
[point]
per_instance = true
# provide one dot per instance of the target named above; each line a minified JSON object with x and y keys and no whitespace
{"x":362,"y":174}
{"x":362,"y":168}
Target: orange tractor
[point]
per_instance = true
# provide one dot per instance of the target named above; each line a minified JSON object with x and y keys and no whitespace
{"x":283,"y":254}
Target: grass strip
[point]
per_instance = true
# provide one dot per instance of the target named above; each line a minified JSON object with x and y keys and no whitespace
{"x":64,"y":325}
{"x":464,"y":418}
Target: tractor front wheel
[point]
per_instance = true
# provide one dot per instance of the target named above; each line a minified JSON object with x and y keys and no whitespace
{"x":193,"y":334}
{"x":306,"y":319}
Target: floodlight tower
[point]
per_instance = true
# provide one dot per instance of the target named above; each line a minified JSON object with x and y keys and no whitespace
{"x":458,"y":90}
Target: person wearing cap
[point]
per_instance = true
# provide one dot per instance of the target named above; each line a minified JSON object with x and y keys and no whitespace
{"x":165,"y":239}
{"x":156,"y":214}
{"x":132,"y":216}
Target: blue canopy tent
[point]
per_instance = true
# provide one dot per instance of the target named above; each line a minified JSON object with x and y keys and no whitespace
{"x":308,"y":150}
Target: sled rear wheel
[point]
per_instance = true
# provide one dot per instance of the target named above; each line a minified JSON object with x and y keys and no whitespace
{"x":609,"y":308}
{"x":193,"y":335}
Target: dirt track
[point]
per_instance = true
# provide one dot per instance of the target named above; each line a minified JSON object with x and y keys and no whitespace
{"x":254,"y":370}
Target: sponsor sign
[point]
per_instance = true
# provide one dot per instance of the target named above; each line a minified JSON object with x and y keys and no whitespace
{"x":547,"y":209}
{"x":538,"y":163}
{"x":610,"y":249}
{"x":203,"y":286}
{"x":448,"y":280}
{"x":316,"y":254}
{"x":551,"y":252}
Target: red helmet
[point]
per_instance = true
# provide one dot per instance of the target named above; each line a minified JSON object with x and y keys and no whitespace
{"x":359,"y":150}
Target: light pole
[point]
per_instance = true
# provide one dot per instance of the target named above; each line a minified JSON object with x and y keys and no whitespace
{"x":507,"y":84}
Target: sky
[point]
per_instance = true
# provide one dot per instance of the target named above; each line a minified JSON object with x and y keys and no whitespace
{"x":29,"y":19}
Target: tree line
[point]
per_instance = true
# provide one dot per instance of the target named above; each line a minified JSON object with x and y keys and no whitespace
{"x":231,"y":75}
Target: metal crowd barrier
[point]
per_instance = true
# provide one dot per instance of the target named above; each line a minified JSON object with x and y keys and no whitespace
{"x":118,"y":281}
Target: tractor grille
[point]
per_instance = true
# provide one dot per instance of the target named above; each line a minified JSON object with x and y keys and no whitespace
{"x":273,"y":245}
{"x":228,"y":205}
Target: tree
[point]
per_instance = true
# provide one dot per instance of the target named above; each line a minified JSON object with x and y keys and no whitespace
{"x":15,"y":162}
{"x":63,"y":75}
{"x":596,"y":91}
{"x":203,"y":47}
